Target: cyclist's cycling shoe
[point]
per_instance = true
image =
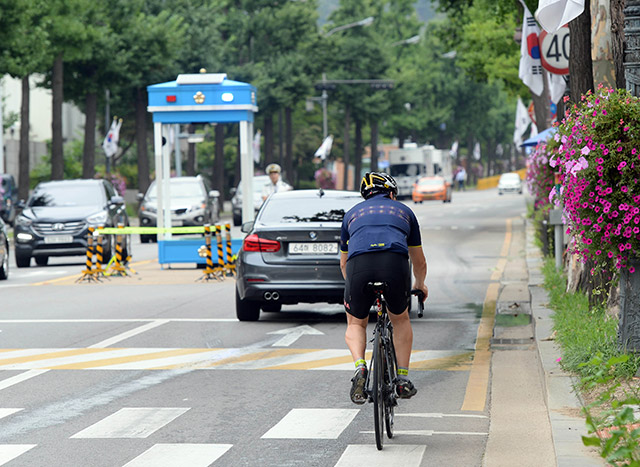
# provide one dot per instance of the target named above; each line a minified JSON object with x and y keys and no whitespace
{"x":405,"y":388}
{"x":359,"y":379}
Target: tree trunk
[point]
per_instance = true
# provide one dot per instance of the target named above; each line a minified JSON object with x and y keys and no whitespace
{"x":374,"y":145}
{"x":268,"y":139}
{"x":288,"y":162}
{"x":89,"y":152}
{"x":617,"y":41}
{"x":57,"y":155}
{"x":141,"y":140}
{"x":580,"y":64}
{"x":23,"y":155}
{"x":400,"y":138}
{"x":281,"y":136}
{"x":346,"y":148}
{"x":191,"y":153}
{"x":358,"y":154}
{"x":542,"y":107}
{"x":218,"y":163}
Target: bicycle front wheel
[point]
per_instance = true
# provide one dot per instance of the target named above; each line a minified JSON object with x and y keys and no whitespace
{"x":379,"y":371}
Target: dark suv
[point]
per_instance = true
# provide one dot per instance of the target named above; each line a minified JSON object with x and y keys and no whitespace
{"x":8,"y":198}
{"x":56,"y":218}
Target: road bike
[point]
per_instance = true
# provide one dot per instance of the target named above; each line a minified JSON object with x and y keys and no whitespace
{"x":380,"y":387}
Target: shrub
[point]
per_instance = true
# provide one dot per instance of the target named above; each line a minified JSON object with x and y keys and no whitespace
{"x":598,"y":158}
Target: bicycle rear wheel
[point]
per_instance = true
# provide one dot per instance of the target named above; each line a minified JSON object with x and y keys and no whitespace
{"x":378,"y":391}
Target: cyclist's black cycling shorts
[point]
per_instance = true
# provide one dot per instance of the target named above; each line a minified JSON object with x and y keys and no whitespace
{"x":384,"y":266}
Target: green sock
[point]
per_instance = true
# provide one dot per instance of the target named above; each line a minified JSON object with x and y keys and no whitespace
{"x":361,"y":362}
{"x":403,"y":373}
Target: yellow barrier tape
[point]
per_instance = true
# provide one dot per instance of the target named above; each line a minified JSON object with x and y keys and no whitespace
{"x":150,"y":230}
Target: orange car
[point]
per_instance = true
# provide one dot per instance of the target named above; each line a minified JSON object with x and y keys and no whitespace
{"x":427,"y":188}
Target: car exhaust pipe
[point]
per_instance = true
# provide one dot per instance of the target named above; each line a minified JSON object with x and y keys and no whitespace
{"x":267,"y":296}
{"x":275,"y":296}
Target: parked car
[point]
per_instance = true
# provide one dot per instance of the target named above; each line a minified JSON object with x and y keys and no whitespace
{"x":4,"y":251}
{"x":8,"y":198}
{"x":427,"y":188}
{"x":259,"y":181}
{"x":192,"y":203}
{"x":291,"y":253}
{"x":55,"y":220}
{"x":510,"y":183}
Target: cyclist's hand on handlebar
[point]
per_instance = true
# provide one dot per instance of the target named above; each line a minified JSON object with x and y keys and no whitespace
{"x":423,"y":289}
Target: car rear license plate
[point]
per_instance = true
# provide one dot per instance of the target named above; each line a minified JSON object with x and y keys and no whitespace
{"x":313,"y":248}
{"x":55,"y":239}
{"x":176,"y":222}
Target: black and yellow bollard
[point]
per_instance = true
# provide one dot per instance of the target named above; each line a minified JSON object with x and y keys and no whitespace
{"x":88,"y":273}
{"x":118,"y":267}
{"x":209,"y":272}
{"x":230,"y":266}
{"x":99,"y":272}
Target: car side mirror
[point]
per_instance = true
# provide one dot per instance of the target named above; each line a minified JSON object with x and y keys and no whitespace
{"x":21,"y":204}
{"x":116,"y":199}
{"x":140,"y":197}
{"x":214,"y":194}
{"x":232,"y":191}
{"x":247,"y":227}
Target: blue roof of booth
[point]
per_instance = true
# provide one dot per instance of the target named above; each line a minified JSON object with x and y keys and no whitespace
{"x":204,"y":98}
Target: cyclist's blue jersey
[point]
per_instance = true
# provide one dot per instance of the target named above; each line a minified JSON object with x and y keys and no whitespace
{"x":379,"y":224}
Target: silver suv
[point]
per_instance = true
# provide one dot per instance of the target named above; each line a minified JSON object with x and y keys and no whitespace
{"x":192,"y":204}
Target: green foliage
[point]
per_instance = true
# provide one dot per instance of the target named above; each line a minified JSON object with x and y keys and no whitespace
{"x":582,"y":333}
{"x":611,"y":416}
{"x":72,"y":164}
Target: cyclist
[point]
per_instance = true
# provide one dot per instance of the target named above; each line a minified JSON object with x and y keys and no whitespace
{"x":378,"y":237}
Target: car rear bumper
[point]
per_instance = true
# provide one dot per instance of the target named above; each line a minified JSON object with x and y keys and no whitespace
{"x":290,"y":294}
{"x":441,"y":196}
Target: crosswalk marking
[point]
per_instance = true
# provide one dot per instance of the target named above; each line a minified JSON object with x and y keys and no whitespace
{"x":248,"y":358}
{"x":9,"y":452}
{"x":358,"y":455}
{"x":312,"y":424}
{"x":180,"y":455}
{"x":132,"y":422}
{"x":7,"y":412}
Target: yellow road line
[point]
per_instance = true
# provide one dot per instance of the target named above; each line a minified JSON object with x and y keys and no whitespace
{"x":507,"y":240}
{"x":317,"y":363}
{"x":477,"y":386}
{"x":269,"y":353}
{"x":49,"y":356}
{"x":128,"y":359}
{"x":460,"y":362}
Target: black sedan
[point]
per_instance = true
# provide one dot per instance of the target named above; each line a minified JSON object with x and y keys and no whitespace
{"x":291,"y":253}
{"x":4,"y":251}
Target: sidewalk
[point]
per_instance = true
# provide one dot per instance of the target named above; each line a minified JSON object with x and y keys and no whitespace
{"x":536,"y":417}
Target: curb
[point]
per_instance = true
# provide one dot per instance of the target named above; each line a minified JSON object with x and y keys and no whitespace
{"x":563,"y":405}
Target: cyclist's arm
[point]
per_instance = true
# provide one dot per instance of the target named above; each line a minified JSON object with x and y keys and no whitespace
{"x":343,"y":264}
{"x":419,"y":264}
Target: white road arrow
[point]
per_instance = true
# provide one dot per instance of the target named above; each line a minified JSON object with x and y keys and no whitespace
{"x":293,"y":334}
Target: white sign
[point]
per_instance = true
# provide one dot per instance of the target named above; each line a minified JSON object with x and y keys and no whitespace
{"x":554,"y":51}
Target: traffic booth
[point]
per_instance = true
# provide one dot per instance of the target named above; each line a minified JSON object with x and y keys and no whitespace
{"x":198,"y":98}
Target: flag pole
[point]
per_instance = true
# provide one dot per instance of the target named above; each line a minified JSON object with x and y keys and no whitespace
{"x":107,"y":125}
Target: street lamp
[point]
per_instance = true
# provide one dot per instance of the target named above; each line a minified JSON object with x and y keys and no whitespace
{"x":363,"y":22}
{"x":412,"y":40}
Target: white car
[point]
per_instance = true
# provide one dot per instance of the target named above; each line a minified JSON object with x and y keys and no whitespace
{"x":510,"y":183}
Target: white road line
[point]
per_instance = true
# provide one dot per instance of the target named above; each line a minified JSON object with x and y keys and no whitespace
{"x":312,"y":424}
{"x":11,"y":451}
{"x":439,"y":415}
{"x":431,"y":433}
{"x":118,"y":320}
{"x":128,"y":334}
{"x":7,"y":412}
{"x":358,"y":455}
{"x":132,"y":422}
{"x":180,"y":455}
{"x":5,"y":383}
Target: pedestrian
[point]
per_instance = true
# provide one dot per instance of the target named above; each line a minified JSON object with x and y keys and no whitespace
{"x":379,"y":236}
{"x":275,"y":183}
{"x":461,"y":178}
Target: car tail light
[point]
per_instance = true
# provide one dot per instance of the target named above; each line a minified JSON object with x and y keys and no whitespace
{"x":255,"y":243}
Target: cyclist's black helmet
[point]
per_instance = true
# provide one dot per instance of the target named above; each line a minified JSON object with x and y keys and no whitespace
{"x":374,"y":183}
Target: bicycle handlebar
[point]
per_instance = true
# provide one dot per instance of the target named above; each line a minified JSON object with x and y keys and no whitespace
{"x":420,"y":294}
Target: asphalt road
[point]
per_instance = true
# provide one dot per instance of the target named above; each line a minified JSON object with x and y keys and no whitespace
{"x":154,"y":369}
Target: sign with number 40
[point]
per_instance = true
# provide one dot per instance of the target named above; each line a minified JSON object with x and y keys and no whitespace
{"x":554,"y":50}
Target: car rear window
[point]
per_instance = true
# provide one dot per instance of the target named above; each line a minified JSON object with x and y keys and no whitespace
{"x":67,"y":195}
{"x":290,"y":209}
{"x":431,"y":182}
{"x":510,"y":177}
{"x":179,"y":189}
